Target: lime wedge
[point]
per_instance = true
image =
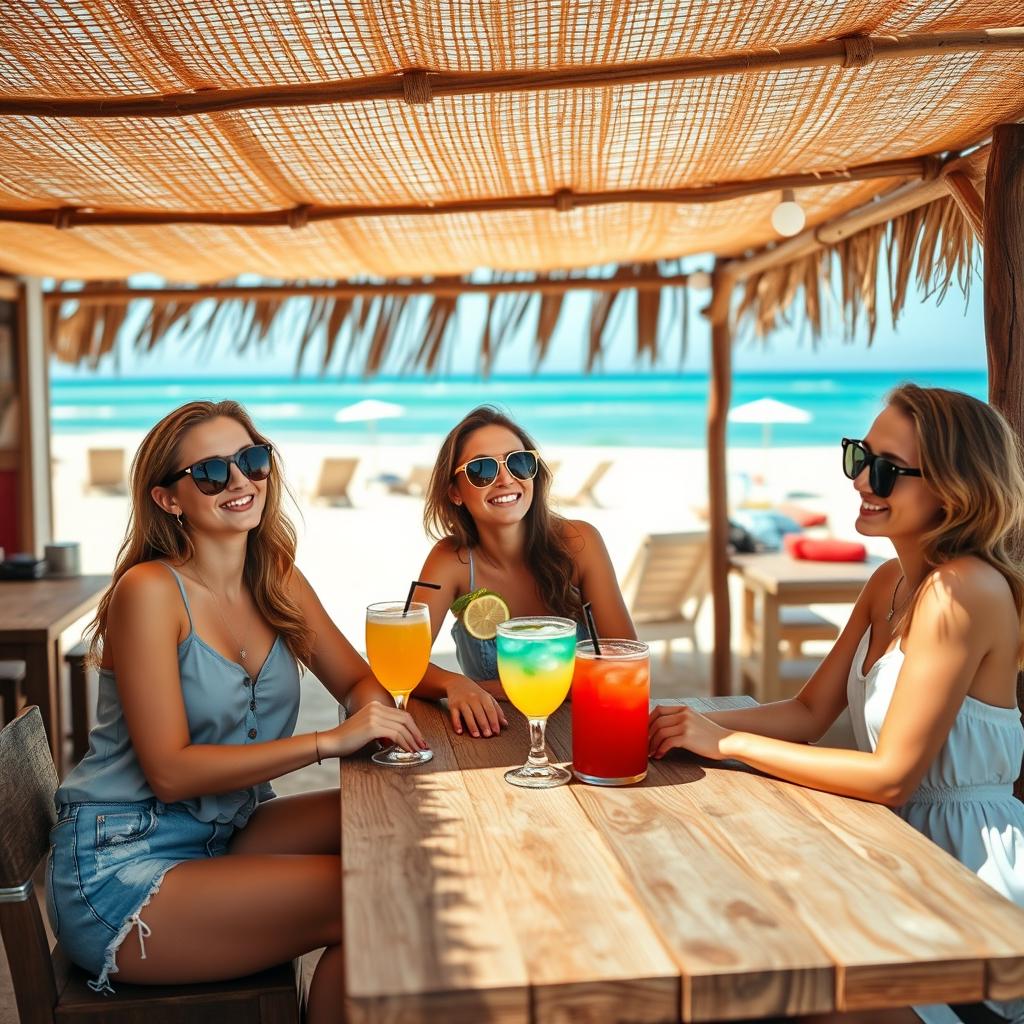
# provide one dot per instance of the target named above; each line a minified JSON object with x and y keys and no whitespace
{"x":458,"y":606}
{"x":482,"y":615}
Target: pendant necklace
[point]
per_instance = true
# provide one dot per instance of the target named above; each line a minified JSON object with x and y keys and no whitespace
{"x":892,"y":603}
{"x":242,"y":652}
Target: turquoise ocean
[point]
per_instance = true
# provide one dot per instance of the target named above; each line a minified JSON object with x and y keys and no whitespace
{"x":635,"y":410}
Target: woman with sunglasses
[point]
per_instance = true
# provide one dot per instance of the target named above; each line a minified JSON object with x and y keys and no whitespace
{"x":488,"y":503}
{"x":170,"y":862}
{"x":928,"y":662}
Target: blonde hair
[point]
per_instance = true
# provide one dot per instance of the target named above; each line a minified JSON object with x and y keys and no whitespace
{"x":547,"y":556}
{"x":154,"y":534}
{"x":972,"y":461}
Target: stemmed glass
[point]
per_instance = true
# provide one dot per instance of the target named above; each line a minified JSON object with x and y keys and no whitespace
{"x":536,"y":657}
{"x":398,"y":641}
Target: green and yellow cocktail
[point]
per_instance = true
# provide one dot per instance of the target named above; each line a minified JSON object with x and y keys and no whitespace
{"x":536,"y":657}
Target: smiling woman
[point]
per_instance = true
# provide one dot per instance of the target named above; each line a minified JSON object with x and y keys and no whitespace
{"x":199,"y":640}
{"x":500,"y":544}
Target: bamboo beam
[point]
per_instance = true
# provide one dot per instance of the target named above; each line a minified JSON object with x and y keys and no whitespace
{"x":719,"y":398}
{"x":1004,"y":298}
{"x":98,"y":296}
{"x":966,"y":196}
{"x":419,"y":86}
{"x":562,"y":201}
{"x":895,"y":204}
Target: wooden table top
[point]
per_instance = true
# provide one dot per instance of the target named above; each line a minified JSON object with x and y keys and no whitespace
{"x":706,"y":892}
{"x":776,"y":572}
{"x":40,"y":610}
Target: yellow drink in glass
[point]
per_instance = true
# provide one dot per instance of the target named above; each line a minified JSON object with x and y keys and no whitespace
{"x":398,"y":641}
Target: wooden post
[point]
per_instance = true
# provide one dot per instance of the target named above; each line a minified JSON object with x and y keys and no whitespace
{"x":36,"y":518}
{"x":1004,"y":295}
{"x":719,"y":397}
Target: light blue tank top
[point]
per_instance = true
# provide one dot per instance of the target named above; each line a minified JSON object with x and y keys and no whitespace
{"x":478,"y":659}
{"x":223,"y":705}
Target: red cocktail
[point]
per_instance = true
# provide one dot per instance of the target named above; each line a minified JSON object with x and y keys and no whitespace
{"x":610,"y":700}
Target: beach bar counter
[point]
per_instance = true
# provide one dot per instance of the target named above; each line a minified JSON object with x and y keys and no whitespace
{"x":706,"y":892}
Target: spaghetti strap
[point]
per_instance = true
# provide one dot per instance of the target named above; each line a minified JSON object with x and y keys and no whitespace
{"x":472,"y":571}
{"x":184,"y":596}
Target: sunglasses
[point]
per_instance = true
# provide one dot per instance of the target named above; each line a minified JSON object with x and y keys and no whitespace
{"x":882,"y":474}
{"x":211,"y":476}
{"x":483,"y":471}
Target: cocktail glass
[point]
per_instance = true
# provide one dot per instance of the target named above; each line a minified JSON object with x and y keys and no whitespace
{"x":398,"y":645}
{"x":611,"y":694}
{"x":535,"y":663}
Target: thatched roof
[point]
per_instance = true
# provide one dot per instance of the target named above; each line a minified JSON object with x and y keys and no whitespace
{"x":350,"y":140}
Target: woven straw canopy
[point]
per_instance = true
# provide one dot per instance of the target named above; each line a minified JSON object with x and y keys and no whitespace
{"x":498,"y":119}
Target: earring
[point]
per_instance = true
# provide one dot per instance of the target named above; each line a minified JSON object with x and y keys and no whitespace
{"x":180,"y":523}
{"x":458,"y":501}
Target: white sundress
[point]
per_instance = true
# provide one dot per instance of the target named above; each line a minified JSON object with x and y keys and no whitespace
{"x":965,"y":802}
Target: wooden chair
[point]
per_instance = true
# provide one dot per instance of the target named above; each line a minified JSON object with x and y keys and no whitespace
{"x":335,"y":476}
{"x":585,"y":495}
{"x":47,"y":987}
{"x":106,"y":470}
{"x":666,"y":586}
{"x":78,"y":680}
{"x":12,"y":678}
{"x":416,"y":483}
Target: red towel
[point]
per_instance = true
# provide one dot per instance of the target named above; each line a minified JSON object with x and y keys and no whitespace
{"x":804,"y":516}
{"x":827,"y":549}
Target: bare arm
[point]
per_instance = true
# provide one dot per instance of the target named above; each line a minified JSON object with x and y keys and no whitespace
{"x":949,"y":636}
{"x":599,"y":584}
{"x":144,"y":633}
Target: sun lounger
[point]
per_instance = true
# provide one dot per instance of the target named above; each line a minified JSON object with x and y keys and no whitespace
{"x":335,"y":477}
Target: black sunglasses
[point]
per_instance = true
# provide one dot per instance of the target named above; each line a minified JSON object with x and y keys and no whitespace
{"x":483,"y":471}
{"x":882,"y":473}
{"x":211,"y":476}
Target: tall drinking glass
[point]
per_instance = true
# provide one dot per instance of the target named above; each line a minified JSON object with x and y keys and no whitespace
{"x":611,"y":694}
{"x":398,"y":648}
{"x":535,"y":663}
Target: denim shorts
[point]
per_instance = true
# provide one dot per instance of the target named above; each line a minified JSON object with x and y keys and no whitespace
{"x":106,"y":862}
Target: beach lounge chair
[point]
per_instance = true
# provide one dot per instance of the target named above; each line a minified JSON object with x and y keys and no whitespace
{"x":335,"y":476}
{"x":416,"y":483}
{"x":106,"y":470}
{"x":585,"y":495}
{"x":47,"y":986}
{"x":666,"y":587}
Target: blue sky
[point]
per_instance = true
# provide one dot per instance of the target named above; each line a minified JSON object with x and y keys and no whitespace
{"x":947,"y":336}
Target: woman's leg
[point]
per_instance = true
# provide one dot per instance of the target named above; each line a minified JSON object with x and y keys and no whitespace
{"x":306,"y":823}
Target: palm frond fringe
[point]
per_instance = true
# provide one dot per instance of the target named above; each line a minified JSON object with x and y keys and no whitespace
{"x":932,"y":245}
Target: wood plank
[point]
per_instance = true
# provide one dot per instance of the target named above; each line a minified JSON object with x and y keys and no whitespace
{"x":427,"y":935}
{"x":591,"y":952}
{"x":889,"y":946}
{"x":732,"y":937}
{"x":33,"y":611}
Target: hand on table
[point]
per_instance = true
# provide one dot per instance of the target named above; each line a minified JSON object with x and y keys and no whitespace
{"x":473,"y":709}
{"x":374,"y":721}
{"x":674,"y":726}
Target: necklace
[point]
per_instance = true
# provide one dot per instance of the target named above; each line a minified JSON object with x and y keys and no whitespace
{"x":242,"y":652}
{"x":892,"y":603}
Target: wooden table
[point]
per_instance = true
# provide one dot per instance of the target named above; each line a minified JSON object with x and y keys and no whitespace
{"x":775,"y":580}
{"x":33,"y":614}
{"x":708,"y":892}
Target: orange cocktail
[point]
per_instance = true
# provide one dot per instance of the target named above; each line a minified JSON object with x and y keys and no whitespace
{"x":611,"y":694}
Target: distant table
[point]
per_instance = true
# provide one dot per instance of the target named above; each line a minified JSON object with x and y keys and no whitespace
{"x":776,"y":580}
{"x":707,"y":892}
{"x":33,"y":614}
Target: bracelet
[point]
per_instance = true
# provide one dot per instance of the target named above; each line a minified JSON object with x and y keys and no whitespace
{"x":316,"y":741}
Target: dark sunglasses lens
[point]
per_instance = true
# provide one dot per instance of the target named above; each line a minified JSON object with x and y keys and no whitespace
{"x":854,"y":458}
{"x":482,"y":472}
{"x":211,"y":476}
{"x":255,"y":462}
{"x":522,"y":465}
{"x":883,"y":477}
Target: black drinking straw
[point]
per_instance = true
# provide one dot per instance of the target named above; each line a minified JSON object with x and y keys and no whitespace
{"x":591,"y":628}
{"x":412,"y":588}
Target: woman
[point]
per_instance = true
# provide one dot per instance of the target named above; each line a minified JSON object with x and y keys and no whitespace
{"x":169,"y":861}
{"x":488,"y":504}
{"x":928,"y":660}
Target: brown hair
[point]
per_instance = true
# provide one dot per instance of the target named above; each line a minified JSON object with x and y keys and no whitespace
{"x":153,"y":534}
{"x":547,"y":554}
{"x":972,"y":461}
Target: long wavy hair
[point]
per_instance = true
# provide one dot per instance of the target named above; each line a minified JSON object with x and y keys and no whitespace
{"x":153,"y":534}
{"x":547,"y":555}
{"x":973,"y":463}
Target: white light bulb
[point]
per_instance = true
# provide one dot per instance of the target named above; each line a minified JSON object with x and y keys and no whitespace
{"x":788,"y":218}
{"x":699,"y":280}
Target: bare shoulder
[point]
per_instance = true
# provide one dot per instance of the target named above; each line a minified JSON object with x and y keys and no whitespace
{"x":968,"y":582}
{"x":880,"y":586}
{"x":446,"y":561}
{"x":581,"y":536}
{"x":148,"y":582}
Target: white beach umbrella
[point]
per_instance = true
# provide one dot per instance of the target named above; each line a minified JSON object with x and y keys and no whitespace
{"x":368,"y":411}
{"x":767,"y":411}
